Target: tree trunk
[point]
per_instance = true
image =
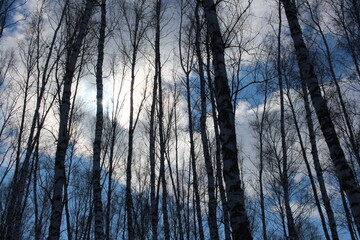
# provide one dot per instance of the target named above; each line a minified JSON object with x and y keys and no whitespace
{"x":261,"y":168}
{"x":37,"y":220}
{"x":193,"y":159}
{"x":352,"y":137}
{"x":285,"y":179}
{"x":343,"y":170}
{"x":177,"y":190}
{"x":21,"y":176}
{"x":235,"y":194}
{"x":136,"y":32}
{"x":348,"y":215}
{"x":153,"y":198}
{"x":161,"y":122}
{"x":212,"y":203}
{"x":187,"y":216}
{"x":219,"y":177}
{"x":311,"y":178}
{"x":63,"y":136}
{"x":98,"y":209}
{"x":109,"y":189}
{"x":316,"y":160}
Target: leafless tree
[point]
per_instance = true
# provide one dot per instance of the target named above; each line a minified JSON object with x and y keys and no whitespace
{"x":309,"y":79}
{"x":63,"y":138}
{"x":235,"y":194}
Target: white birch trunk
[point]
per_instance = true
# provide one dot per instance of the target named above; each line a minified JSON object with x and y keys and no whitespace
{"x":236,"y":202}
{"x":63,"y":135}
{"x":318,"y":169}
{"x":343,"y":170}
{"x":98,"y":209}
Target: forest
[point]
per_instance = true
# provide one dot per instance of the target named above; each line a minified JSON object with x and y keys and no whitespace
{"x":179,"y":119}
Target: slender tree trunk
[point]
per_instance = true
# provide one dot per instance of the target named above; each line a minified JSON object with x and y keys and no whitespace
{"x":261,"y":168}
{"x":72,"y":150}
{"x":311,"y":178}
{"x":129,"y":201}
{"x":282,"y":216}
{"x":193,"y":160}
{"x":98,"y":209}
{"x":175,"y":184}
{"x":180,"y":189}
{"x":219,"y":177}
{"x":22,"y":175}
{"x":352,"y":138}
{"x":187,"y":216}
{"x":161,"y":122}
{"x":153,"y":198}
{"x":194,"y":215}
{"x":114,"y":128}
{"x":235,"y":194}
{"x":317,"y":164}
{"x":177,"y":190}
{"x":87,"y":230}
{"x":285,"y":178}
{"x":37,"y":225}
{"x":63,"y":137}
{"x":343,"y":170}
{"x":66,"y":199}
{"x":348,"y":215}
{"x":136,"y":34}
{"x":187,"y":68}
{"x":109,"y":189}
{"x":212,"y":203}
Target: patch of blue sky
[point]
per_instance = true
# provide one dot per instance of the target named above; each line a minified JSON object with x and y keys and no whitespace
{"x":17,"y":12}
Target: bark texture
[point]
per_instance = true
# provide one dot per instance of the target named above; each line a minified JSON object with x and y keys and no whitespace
{"x":212,"y":205}
{"x":235,"y":194}
{"x":317,"y":165}
{"x":343,"y":170}
{"x":152,"y":135}
{"x":63,"y":134}
{"x":98,"y":209}
{"x":219,"y":176}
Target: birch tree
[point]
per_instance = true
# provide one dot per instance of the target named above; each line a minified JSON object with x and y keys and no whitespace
{"x":235,"y":193}
{"x":98,"y":209}
{"x":187,"y":61}
{"x":23,"y":171}
{"x":63,"y":136}
{"x":343,"y":170}
{"x":135,"y":22}
{"x":285,"y":181}
{"x":212,"y":205}
{"x":219,"y":175}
